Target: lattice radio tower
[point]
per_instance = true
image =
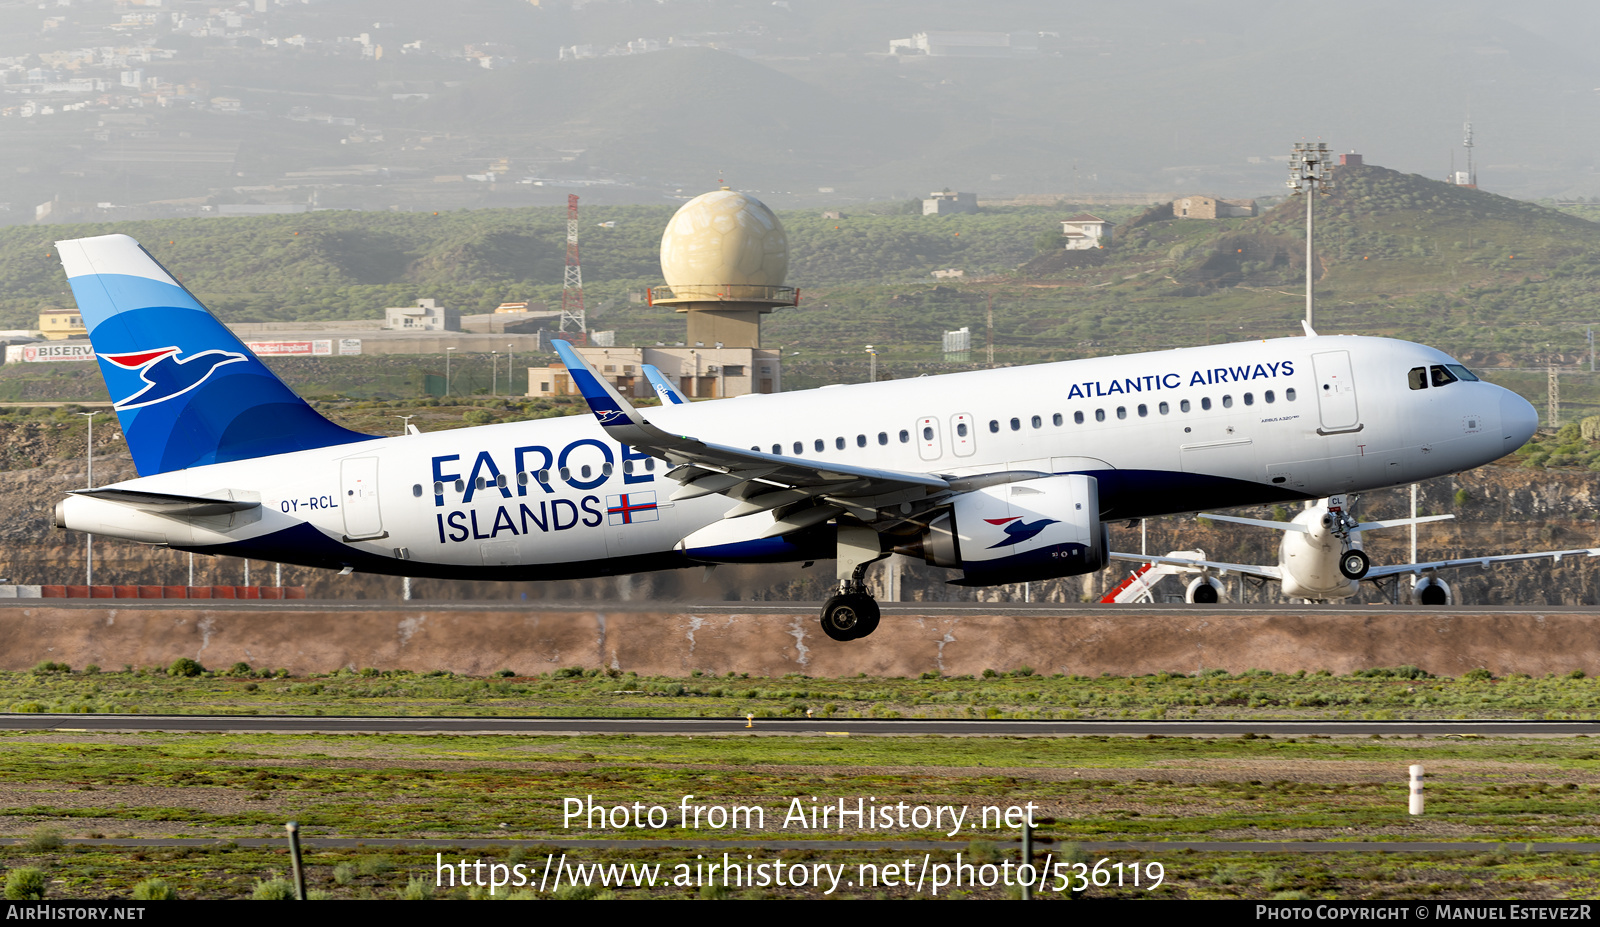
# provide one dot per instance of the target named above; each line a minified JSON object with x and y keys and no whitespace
{"x":572,"y":284}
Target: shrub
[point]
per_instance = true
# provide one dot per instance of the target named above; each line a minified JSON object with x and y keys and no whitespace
{"x":44,"y":839}
{"x":274,"y":889}
{"x":344,"y":873}
{"x":417,"y":889}
{"x":47,"y":666}
{"x":154,"y":890}
{"x":239,"y":669}
{"x":93,"y":669}
{"x":183,"y":666}
{"x":25,"y":884}
{"x":1478,"y":675}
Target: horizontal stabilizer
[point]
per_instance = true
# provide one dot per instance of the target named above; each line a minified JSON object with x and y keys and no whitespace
{"x":160,"y":503}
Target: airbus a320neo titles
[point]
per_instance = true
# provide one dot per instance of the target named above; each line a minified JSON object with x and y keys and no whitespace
{"x":1005,"y":475}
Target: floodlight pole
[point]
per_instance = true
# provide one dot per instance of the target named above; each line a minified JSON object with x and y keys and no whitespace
{"x":1310,"y":173}
{"x":88,"y":541}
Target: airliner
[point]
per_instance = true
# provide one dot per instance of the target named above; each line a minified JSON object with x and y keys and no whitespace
{"x":1005,"y":475}
{"x":1320,"y":559}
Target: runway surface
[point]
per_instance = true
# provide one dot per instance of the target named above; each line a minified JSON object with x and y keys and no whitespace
{"x":299,"y":724}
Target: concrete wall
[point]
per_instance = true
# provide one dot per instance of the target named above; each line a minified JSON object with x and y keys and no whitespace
{"x":321,"y":637}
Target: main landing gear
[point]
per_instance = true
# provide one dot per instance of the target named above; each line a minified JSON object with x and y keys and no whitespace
{"x":850,"y":615}
{"x":853,"y":613}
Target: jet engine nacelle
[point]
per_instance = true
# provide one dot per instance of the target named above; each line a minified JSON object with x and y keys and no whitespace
{"x":1018,"y":532}
{"x":1204,"y":590}
{"x":1431,"y":590}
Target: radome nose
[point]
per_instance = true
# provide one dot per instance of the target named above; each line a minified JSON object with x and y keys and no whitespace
{"x":1518,"y":420}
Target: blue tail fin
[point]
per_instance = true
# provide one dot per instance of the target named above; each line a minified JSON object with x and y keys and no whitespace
{"x":186,"y":391}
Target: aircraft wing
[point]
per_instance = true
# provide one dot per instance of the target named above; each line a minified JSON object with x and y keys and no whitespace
{"x":1378,"y":572}
{"x":658,"y":382}
{"x":760,"y":481}
{"x":1205,"y":566}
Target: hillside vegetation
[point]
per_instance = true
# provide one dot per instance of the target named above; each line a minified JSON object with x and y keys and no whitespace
{"x":1499,"y":282}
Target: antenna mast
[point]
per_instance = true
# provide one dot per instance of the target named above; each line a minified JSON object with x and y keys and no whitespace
{"x":572,"y":284}
{"x":1472,"y":174}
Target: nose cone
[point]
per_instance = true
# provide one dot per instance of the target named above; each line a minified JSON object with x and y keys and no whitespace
{"x":1518,"y":420}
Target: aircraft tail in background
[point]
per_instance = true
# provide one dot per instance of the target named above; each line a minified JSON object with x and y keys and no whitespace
{"x":186,"y":390}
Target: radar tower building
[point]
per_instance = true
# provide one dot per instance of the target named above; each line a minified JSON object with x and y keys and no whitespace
{"x":724,"y":256}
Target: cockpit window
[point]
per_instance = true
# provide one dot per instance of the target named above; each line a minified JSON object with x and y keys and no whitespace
{"x":1441,"y":376}
{"x":1462,"y":372}
{"x":1419,"y":377}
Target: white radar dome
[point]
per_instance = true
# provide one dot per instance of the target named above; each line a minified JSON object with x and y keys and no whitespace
{"x":722,"y":238}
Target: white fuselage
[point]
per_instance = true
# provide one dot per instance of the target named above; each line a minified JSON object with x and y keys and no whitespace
{"x":1167,"y":432}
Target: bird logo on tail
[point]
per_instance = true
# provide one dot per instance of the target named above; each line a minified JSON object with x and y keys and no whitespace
{"x":165,"y":375}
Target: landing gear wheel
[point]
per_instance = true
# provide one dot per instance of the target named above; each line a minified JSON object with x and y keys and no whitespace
{"x":849,"y":616}
{"x":1354,"y":564}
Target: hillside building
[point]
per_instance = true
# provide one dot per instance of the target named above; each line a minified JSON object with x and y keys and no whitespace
{"x":426,"y":316}
{"x":60,"y":324}
{"x":1211,"y":207}
{"x":945,"y":203}
{"x":966,"y":44}
{"x":1084,"y":232}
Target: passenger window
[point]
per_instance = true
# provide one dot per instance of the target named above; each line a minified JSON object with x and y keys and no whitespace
{"x":818,"y":445}
{"x":1099,"y":415}
{"x":1122,"y":411}
{"x":799,"y":448}
{"x":480,"y":483}
{"x":1077,"y":418}
{"x":1056,"y":420}
{"x":566,"y":473}
{"x":586,"y":471}
{"x":1288,"y":395}
{"x":961,"y":429}
{"x":838,"y":442}
{"x":883,"y":437}
{"x":1163,"y":408}
{"x":650,"y":465}
{"x":861,"y":440}
{"x":438,"y":487}
{"x":1269,"y":397}
{"x":1183,"y":406}
{"x":1227,"y":402}
{"x":1037,"y":421}
{"x":777,"y":449}
{"x":1143,"y":410}
{"x":1205,"y":403}
{"x":627,"y":467}
{"x":905,"y":436}
{"x":1418,"y":377}
{"x":1016,"y":424}
{"x":927,"y":432}
{"x":1249,"y":399}
{"x":416,"y":490}
{"x":500,"y":480}
{"x":1441,"y":376}
{"x":542,"y":476}
{"x":994,"y":426}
